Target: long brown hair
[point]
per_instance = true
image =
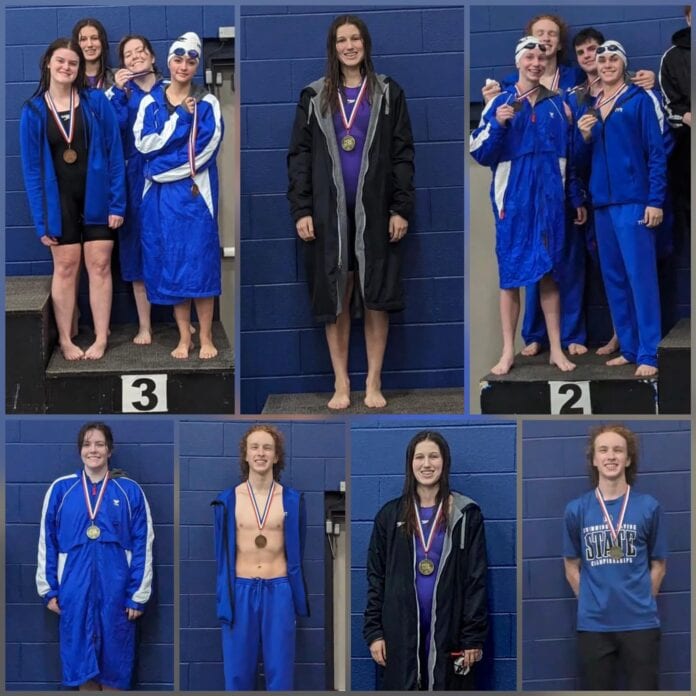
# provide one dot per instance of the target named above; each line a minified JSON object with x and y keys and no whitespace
{"x":631,"y":450}
{"x":333,"y":78}
{"x":410,"y":492}
{"x":103,"y":40}
{"x":45,"y":79}
{"x":279,"y":442}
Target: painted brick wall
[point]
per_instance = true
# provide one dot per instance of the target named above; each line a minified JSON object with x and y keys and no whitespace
{"x":483,"y":467}
{"x":209,"y":450}
{"x":554,"y":472}
{"x":28,"y":32}
{"x":283,"y":49}
{"x":646,"y":34}
{"x":37,"y":452}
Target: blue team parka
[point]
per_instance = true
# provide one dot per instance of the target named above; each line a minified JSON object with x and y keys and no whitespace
{"x":226,"y":545}
{"x":106,"y":177}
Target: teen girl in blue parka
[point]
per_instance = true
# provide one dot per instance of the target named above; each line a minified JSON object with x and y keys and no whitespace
{"x":74,"y":177}
{"x":135,"y":80}
{"x":628,"y":186}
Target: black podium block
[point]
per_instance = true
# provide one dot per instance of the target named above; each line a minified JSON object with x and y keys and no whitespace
{"x":674,"y":363}
{"x":30,"y":336}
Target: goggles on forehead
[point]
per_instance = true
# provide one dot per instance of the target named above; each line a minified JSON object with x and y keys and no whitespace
{"x":612,"y":48}
{"x":531,"y":45}
{"x":183,"y":52}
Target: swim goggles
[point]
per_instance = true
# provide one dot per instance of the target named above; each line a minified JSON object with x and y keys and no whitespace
{"x":183,"y":52}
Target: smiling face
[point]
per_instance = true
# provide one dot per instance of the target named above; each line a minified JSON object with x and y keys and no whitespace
{"x":63,"y":66}
{"x":427,"y":463}
{"x":182,"y":69}
{"x":90,"y":43}
{"x":261,"y":452}
{"x":532,"y":64}
{"x":611,"y":457}
{"x":585,"y":54}
{"x":136,"y":57}
{"x":548,"y":33}
{"x":610,"y":67}
{"x":349,"y":46}
{"x":95,"y":452}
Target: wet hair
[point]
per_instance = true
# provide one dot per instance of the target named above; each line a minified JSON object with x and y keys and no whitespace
{"x":333,"y":77}
{"x":139,"y":37}
{"x":279,"y":442}
{"x":103,"y":40}
{"x":45,"y":79}
{"x":410,"y":491}
{"x":562,"y":32}
{"x":631,"y":449}
{"x":588,"y":34}
{"x":103,"y":428}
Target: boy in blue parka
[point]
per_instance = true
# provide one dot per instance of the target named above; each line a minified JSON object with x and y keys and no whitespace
{"x":259,"y":543}
{"x":628,"y":190}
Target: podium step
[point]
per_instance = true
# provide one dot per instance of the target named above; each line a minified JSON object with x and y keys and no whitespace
{"x":535,"y":387}
{"x":142,"y":379}
{"x":398,"y":401}
{"x":674,"y":363}
{"x":30,"y":336}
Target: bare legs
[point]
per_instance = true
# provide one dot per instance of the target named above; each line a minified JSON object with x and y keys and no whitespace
{"x":551,"y":307}
{"x":509,"y":315}
{"x":66,"y":270}
{"x":376,"y":331}
{"x":98,"y":263}
{"x":142,"y":304}
{"x":182,"y":315}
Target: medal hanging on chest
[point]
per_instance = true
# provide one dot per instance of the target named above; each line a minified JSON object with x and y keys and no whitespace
{"x":600,"y":101}
{"x":518,"y":102}
{"x":193,"y":134}
{"x":615,"y":551}
{"x":348,"y":142}
{"x":261,"y":519}
{"x":426,"y":566}
{"x":93,"y":531}
{"x":69,"y":155}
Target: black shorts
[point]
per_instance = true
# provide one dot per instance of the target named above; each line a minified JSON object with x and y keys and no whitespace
{"x":75,"y":231}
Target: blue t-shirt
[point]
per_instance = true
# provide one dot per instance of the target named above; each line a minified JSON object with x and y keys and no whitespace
{"x":615,"y":594}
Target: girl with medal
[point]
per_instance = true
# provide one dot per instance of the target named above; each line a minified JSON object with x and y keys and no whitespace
{"x":94,"y":565}
{"x":178,"y":131}
{"x":426,"y":618}
{"x":614,"y":555}
{"x":137,"y":77}
{"x":350,"y":169}
{"x":70,"y":144}
{"x":90,"y":36}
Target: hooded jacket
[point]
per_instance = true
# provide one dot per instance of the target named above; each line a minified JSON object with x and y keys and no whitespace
{"x":459,"y":612}
{"x":675,"y":78}
{"x":105,"y":192}
{"x":385,"y":186}
{"x":226,"y":545}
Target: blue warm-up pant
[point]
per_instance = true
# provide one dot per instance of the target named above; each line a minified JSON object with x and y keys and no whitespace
{"x":264,"y":617}
{"x":629,"y":269}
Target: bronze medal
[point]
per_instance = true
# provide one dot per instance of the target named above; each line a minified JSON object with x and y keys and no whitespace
{"x":517,"y":106}
{"x":93,"y":532}
{"x":426,"y":567}
{"x":616,"y":552}
{"x":195,"y":190}
{"x":69,"y":156}
{"x":348,"y":143}
{"x":260,"y":541}
{"x":593,"y":112}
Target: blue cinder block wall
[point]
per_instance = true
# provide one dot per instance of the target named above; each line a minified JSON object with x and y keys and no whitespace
{"x":554,"y":472}
{"x":283,"y":49}
{"x":483,"y":467}
{"x":37,"y":452}
{"x":646,"y":33}
{"x":28,"y":33}
{"x":209,"y":458}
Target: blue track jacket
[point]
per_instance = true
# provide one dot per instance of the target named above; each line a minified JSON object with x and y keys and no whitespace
{"x":106,"y":177}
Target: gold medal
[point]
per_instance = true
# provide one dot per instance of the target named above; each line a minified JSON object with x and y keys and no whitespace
{"x":616,"y":552}
{"x":260,"y":541}
{"x":426,"y":567}
{"x":93,"y":532}
{"x":195,"y":190}
{"x":69,"y":156}
{"x":348,"y":143}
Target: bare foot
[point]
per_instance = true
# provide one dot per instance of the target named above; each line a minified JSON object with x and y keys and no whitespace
{"x":504,"y":365}
{"x":533,"y":348}
{"x":614,"y":362}
{"x":374,"y":398}
{"x":559,"y":359}
{"x":577,"y":349}
{"x":181,"y":352}
{"x":645,"y":371}
{"x":341,"y":397}
{"x":96,"y":350}
{"x":207,"y":351}
{"x":609,"y":348}
{"x":143,"y":337}
{"x":71,"y":352}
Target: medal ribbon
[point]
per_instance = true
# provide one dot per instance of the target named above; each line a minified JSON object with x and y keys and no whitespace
{"x":556,"y":80}
{"x":599,"y":103}
{"x":93,"y":512}
{"x":192,"y":146}
{"x":261,"y":518}
{"x":524,"y":95}
{"x":68,"y":137}
{"x":614,"y":531}
{"x":142,"y":73}
{"x":431,"y":536}
{"x":347,"y":124}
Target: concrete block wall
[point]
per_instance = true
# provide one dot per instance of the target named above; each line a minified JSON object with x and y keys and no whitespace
{"x":483,"y":467}
{"x":28,"y":32}
{"x":422,"y":49}
{"x":209,"y":460}
{"x":554,"y":472}
{"x":37,"y":452}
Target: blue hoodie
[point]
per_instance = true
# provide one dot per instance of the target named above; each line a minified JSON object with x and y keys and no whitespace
{"x":106,"y":178}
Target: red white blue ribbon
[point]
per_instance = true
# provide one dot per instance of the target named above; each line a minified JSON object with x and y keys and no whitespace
{"x":261,"y":518}
{"x":93,"y":511}
{"x":426,"y":544}
{"x":614,"y":531}
{"x":348,"y":123}
{"x":67,"y":136}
